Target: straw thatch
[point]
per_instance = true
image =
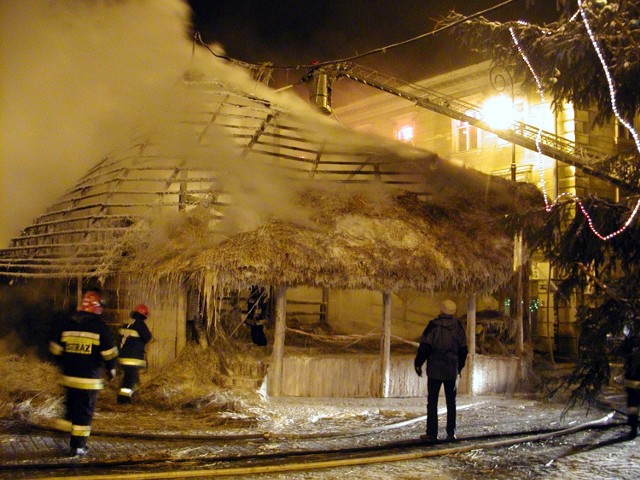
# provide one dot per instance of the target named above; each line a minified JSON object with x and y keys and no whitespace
{"x":352,"y":241}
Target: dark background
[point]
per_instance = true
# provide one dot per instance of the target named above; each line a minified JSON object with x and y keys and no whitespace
{"x":297,"y":32}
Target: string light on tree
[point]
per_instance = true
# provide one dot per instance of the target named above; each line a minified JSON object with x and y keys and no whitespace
{"x":543,"y":182}
{"x":612,"y":93}
{"x":607,"y":73}
{"x":614,"y":107}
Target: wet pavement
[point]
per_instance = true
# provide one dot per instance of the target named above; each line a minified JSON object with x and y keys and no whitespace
{"x":140,"y":439}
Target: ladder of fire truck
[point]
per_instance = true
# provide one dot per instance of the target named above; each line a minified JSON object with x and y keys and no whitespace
{"x":527,"y":136}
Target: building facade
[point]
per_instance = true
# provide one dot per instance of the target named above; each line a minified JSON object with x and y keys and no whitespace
{"x":500,"y":102}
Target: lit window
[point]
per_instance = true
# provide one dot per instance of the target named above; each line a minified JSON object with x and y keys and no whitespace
{"x":466,"y":135}
{"x":405,"y":133}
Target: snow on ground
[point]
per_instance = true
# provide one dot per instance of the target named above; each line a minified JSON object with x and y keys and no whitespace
{"x":199,"y":407}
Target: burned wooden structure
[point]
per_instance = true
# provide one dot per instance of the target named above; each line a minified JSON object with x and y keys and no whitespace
{"x":239,"y":189}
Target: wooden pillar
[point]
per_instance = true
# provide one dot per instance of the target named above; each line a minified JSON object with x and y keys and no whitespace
{"x":324,"y":308}
{"x":180,"y":325}
{"x":471,"y":341}
{"x":526,"y":304}
{"x":550,"y":333}
{"x":519,"y":299}
{"x":385,"y":346}
{"x":78,"y":291}
{"x":277,"y":356}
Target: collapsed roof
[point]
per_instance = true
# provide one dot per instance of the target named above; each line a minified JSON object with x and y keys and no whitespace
{"x":240,"y":189}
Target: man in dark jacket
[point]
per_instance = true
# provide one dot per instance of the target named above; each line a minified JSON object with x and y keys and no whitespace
{"x":84,"y":347}
{"x":443,"y":346}
{"x":631,"y":351}
{"x":135,"y":336}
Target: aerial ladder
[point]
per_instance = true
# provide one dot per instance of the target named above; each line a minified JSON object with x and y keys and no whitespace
{"x":587,"y":159}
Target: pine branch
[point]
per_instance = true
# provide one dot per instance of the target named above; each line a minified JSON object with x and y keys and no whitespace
{"x":563,"y":56}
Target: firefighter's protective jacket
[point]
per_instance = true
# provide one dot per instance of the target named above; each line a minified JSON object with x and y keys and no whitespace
{"x":135,"y":336}
{"x":84,"y":346}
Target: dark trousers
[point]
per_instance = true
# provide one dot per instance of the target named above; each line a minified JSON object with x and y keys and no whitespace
{"x":129,"y":381}
{"x":257,"y":335}
{"x":633,"y":402}
{"x":80,"y":406}
{"x":433,"y":390}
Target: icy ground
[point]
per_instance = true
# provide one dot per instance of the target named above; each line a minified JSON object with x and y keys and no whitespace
{"x":188,"y":406}
{"x":590,"y":454}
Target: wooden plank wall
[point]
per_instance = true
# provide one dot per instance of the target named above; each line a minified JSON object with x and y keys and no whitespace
{"x":167,"y":318}
{"x":167,"y":322}
{"x":355,"y":375}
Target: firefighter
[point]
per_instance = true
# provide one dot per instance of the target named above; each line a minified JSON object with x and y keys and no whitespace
{"x":134,"y":338}
{"x":631,"y":351}
{"x":84,"y":348}
{"x":257,"y":314}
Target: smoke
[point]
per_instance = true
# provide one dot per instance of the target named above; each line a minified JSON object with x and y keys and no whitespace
{"x":82,"y":79}
{"x":78,"y":79}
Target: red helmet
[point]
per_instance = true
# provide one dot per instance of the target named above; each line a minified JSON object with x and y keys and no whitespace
{"x":142,"y":309}
{"x":92,"y":303}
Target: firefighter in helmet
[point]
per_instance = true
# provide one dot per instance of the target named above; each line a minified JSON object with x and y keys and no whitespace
{"x":84,"y":348}
{"x":134,"y":338}
{"x":257,"y":314}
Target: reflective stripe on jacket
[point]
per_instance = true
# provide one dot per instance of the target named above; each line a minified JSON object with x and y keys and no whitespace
{"x":135,"y":336}
{"x":84,"y":346}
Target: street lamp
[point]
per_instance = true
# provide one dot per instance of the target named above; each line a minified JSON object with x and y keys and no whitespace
{"x":502,"y":82}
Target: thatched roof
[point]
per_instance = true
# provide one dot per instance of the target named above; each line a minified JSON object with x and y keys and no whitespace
{"x":350,"y":240}
{"x":244,"y":190}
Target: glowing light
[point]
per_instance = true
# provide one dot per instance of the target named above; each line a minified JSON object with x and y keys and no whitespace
{"x":534,"y":305}
{"x":405,"y":133}
{"x":498,"y":112}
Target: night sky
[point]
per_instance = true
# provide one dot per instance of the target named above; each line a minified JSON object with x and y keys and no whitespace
{"x":296,"y":32}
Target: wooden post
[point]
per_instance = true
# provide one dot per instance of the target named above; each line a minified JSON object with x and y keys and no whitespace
{"x":277,"y":356}
{"x":180,"y":325}
{"x":385,"y":347}
{"x":519,"y":300}
{"x":78,"y":291}
{"x":550,"y":333}
{"x":526,"y":304}
{"x":471,"y":341}
{"x":324,"y":308}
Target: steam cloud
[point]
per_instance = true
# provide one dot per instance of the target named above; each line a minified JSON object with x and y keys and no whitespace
{"x":77,"y":79}
{"x":81,"y":79}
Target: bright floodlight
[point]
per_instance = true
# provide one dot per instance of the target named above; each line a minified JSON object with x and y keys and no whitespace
{"x":498,"y":112}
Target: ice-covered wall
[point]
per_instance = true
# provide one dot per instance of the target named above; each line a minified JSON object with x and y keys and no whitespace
{"x":356,"y":375}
